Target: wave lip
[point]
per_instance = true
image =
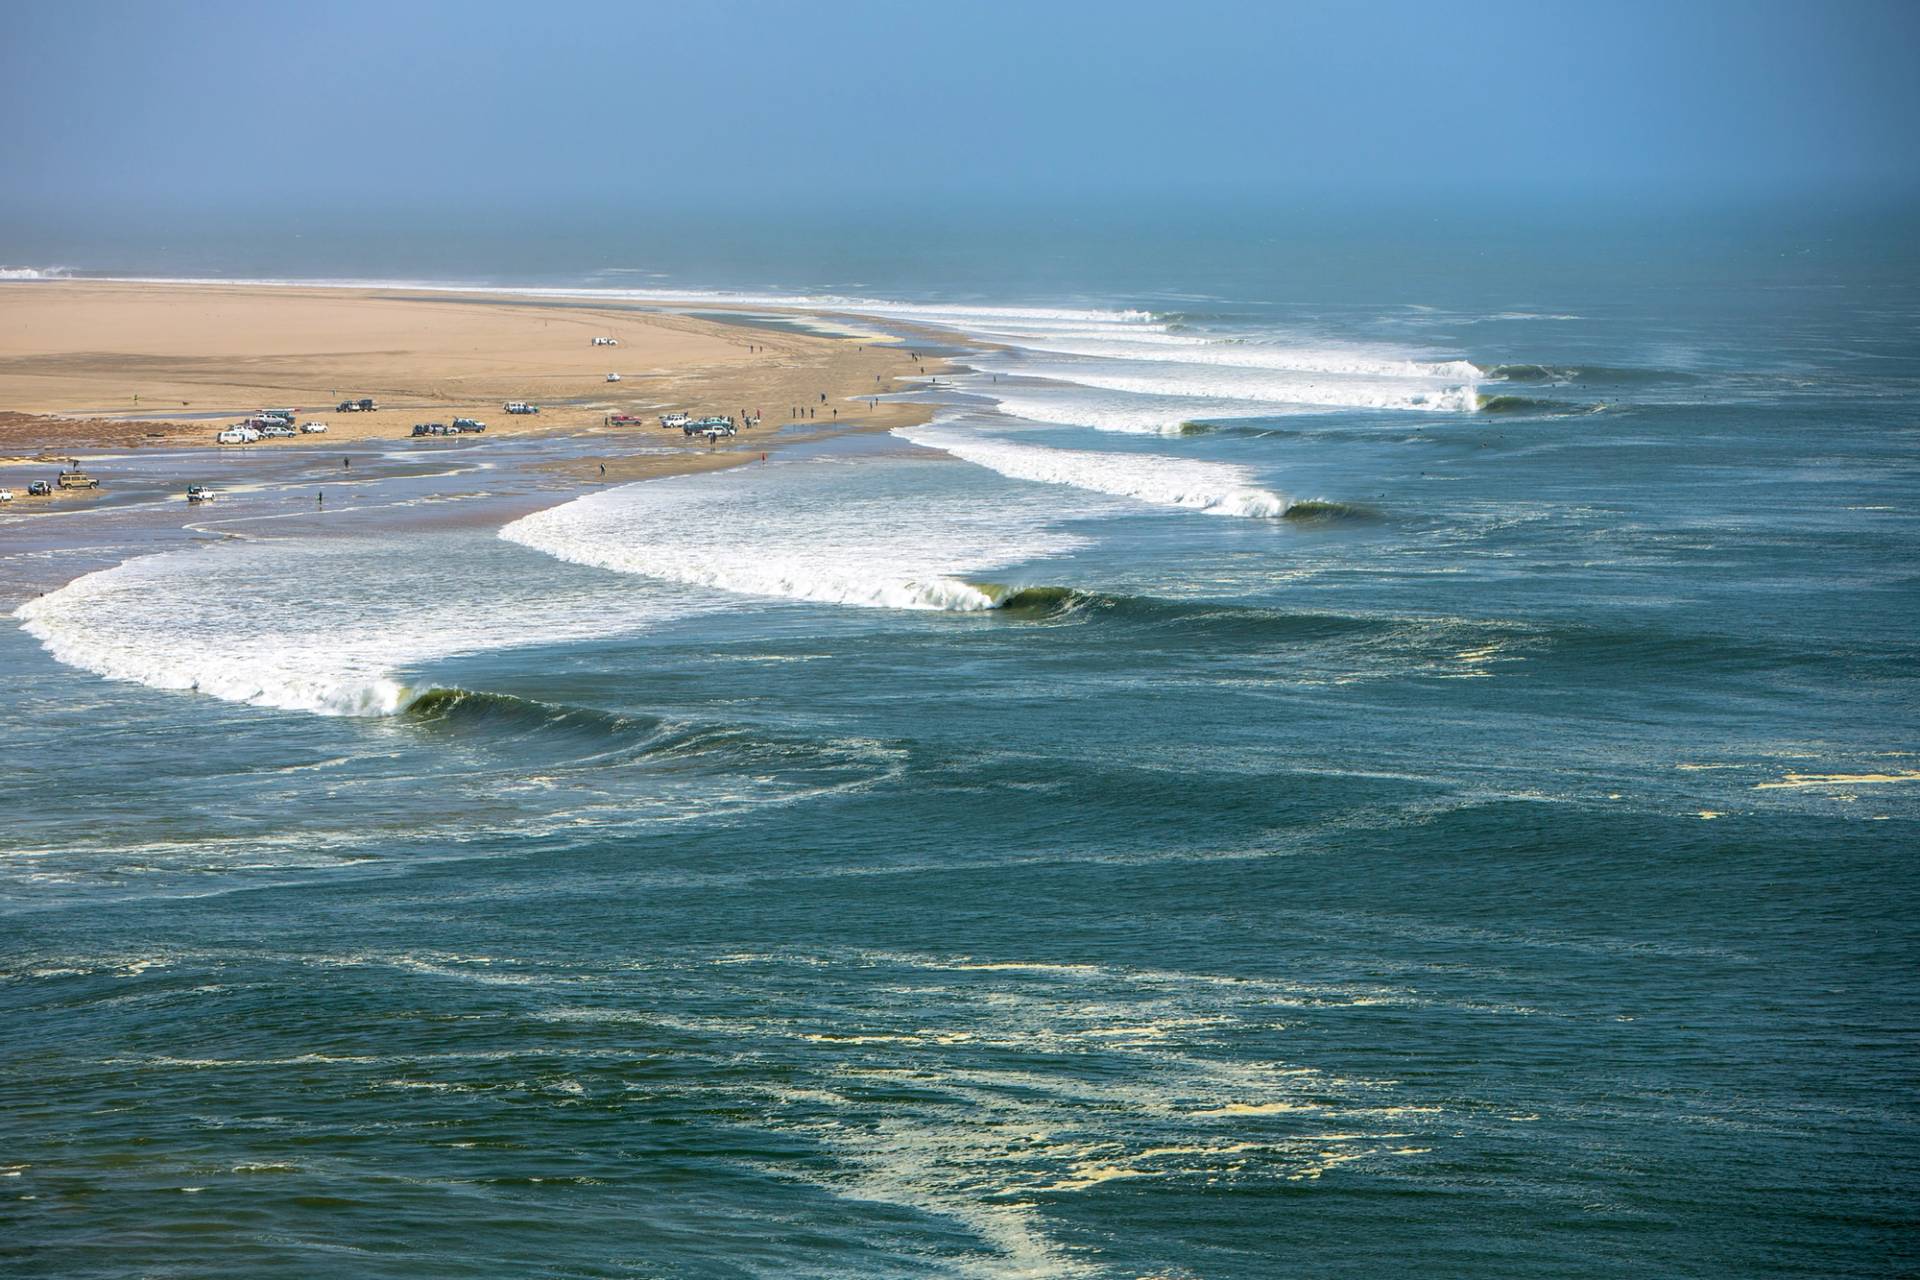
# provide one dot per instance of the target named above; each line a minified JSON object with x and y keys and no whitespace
{"x":1214,"y":488}
{"x":1531,"y":404}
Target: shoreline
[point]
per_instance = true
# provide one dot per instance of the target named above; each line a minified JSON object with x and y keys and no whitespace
{"x":52,"y":362}
{"x":90,"y":363}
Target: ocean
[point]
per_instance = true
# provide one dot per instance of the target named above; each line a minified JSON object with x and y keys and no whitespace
{"x":1330,"y":755}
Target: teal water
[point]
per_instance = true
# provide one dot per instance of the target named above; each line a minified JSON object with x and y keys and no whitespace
{"x":1377,"y":830}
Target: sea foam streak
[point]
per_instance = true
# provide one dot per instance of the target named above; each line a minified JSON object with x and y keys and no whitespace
{"x":880,"y":534}
{"x":325,"y":626}
{"x":1216,"y":488}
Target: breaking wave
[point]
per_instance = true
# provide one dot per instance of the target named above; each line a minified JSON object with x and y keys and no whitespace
{"x":1162,"y":346}
{"x":1216,"y":488}
{"x":881,"y":538}
{"x":1267,"y":388}
{"x":1130,"y":414}
{"x":328,"y":626}
{"x":476,"y":711}
{"x":1220,"y":620}
{"x":1532,"y":404}
{"x":35,"y":273}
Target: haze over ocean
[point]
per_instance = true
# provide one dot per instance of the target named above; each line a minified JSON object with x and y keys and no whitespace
{"x":1373,"y":730}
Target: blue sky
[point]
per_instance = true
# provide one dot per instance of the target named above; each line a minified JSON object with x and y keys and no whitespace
{"x":367,"y":105}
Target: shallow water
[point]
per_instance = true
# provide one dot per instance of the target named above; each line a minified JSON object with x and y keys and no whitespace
{"x":1369,"y":831}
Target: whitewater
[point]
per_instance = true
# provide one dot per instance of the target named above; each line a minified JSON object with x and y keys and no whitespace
{"x":1216,"y":488}
{"x":874,"y":534}
{"x":327,"y":626}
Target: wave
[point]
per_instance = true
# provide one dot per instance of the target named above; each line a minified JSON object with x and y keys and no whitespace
{"x":479,"y":713}
{"x":1215,"y":488}
{"x":1586,"y":373}
{"x":469,"y":710}
{"x":1386,"y":645}
{"x":884,"y":538}
{"x":36,"y":273}
{"x":1324,"y":509}
{"x":1236,"y":353}
{"x":327,"y":626}
{"x":1266,"y":388}
{"x":1532,"y":404}
{"x":1128,"y":414}
{"x":1216,"y":618}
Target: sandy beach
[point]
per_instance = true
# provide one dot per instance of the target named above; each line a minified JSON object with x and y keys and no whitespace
{"x":96,"y":364}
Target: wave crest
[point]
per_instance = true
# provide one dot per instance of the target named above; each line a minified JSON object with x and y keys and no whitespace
{"x":805,"y":531}
{"x":1215,"y":488}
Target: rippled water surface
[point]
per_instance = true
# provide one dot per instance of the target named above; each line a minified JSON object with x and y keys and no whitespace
{"x":1251,"y":790}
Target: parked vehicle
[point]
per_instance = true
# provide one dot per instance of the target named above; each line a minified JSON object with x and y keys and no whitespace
{"x":6,"y":495}
{"x":39,"y":489}
{"x":237,"y":435}
{"x":313,"y":428}
{"x":625,"y":420}
{"x":431,"y":429}
{"x":613,"y":377}
{"x":77,"y":479}
{"x":672,"y":420}
{"x":468,"y":424}
{"x":363,"y":405}
{"x":279,"y":432}
{"x":199,"y":493}
{"x":521,"y":406}
{"x":606,"y":342}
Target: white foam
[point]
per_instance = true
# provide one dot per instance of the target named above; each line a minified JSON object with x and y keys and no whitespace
{"x":1216,"y":488}
{"x":327,"y":626}
{"x":879,"y":535}
{"x":35,"y":273}
{"x":1276,"y":387}
{"x":1150,"y":345}
{"x":1119,"y":411}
